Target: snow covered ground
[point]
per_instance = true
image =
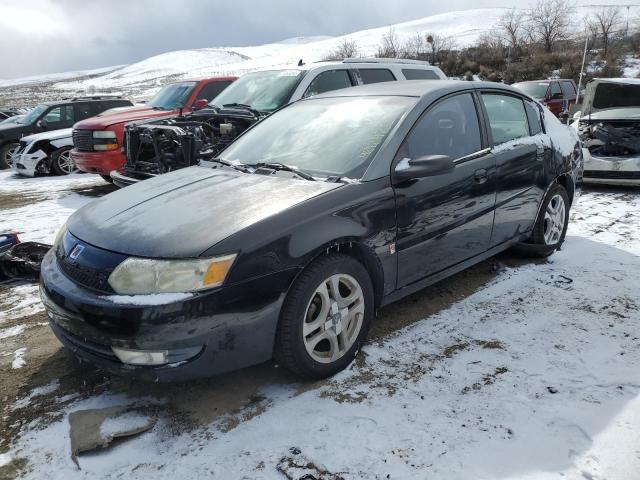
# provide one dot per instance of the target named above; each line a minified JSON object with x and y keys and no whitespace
{"x":531,"y":375}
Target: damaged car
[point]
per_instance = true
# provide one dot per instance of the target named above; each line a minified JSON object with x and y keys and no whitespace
{"x":44,"y":153}
{"x":608,"y":123}
{"x":165,"y":145}
{"x":286,"y":243}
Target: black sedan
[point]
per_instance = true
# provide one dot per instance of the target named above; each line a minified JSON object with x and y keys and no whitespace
{"x":286,"y":244}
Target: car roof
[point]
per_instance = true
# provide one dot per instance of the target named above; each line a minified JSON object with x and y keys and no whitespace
{"x":543,"y":80}
{"x":415,"y":88}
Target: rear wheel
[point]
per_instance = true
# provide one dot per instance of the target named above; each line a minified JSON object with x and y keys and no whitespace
{"x":107,"y":178}
{"x":551,"y":225}
{"x":6,"y":152}
{"x":61,"y":161}
{"x":325,"y":317}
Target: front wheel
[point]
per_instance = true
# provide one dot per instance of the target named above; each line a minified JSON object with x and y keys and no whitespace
{"x":61,"y":161}
{"x":6,"y":153}
{"x":325,"y":317}
{"x":551,"y":225}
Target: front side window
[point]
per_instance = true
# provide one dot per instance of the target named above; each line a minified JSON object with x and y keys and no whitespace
{"x":264,"y":91}
{"x":33,"y":115}
{"x":212,"y":89}
{"x":376,"y":75}
{"x":324,"y":137}
{"x":172,"y":96}
{"x":329,"y":81}
{"x":507,"y":117}
{"x":419,"y":74}
{"x":568,"y":89}
{"x":449,"y":128}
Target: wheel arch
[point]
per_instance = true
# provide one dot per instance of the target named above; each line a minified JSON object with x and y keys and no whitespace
{"x":569,"y":185}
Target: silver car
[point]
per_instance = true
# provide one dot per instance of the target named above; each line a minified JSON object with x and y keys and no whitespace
{"x":44,"y":153}
{"x":609,"y":126}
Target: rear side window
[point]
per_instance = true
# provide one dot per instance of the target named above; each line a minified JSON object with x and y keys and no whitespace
{"x":533,"y":115}
{"x":507,"y":117}
{"x":60,"y":117}
{"x":555,"y":89}
{"x":376,"y":75}
{"x":212,"y":90}
{"x":568,"y":89}
{"x":328,"y":81}
{"x":449,"y":128}
{"x":418,"y":74}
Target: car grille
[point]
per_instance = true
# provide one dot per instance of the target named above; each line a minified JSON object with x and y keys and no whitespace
{"x":83,"y":140}
{"x":611,"y":175}
{"x":87,"y":277}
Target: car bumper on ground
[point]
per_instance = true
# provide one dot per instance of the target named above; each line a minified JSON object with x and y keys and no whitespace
{"x":203,"y":335}
{"x":124,"y":179}
{"x":101,"y":163}
{"x":27,"y":163}
{"x":619,"y":170}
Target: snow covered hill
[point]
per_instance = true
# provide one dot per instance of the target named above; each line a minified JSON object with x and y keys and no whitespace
{"x":144,"y":78}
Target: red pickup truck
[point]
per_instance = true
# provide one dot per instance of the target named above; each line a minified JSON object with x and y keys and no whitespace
{"x":97,"y":141}
{"x":558,"y":95}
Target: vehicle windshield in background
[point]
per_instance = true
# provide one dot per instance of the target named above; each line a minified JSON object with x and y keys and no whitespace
{"x":33,"y":115}
{"x":263,"y":91}
{"x":172,"y":96}
{"x":616,"y":95}
{"x":533,"y":89}
{"x":323,"y":137}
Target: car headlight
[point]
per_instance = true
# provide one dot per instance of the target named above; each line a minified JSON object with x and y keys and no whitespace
{"x":60,"y":234}
{"x":142,"y":276}
{"x":104,"y":134}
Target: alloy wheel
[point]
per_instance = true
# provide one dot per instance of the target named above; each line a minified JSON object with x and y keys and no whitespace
{"x":333,"y":318}
{"x":554,"y":220}
{"x":66,"y":164}
{"x":10,"y":153}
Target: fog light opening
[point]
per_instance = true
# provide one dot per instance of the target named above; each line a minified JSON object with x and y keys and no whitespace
{"x":141,"y":357}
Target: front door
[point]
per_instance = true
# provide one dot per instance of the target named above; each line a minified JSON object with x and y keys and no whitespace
{"x":445,"y":219}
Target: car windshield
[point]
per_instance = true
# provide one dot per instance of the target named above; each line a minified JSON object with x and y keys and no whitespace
{"x":533,"y":89}
{"x":323,"y":137}
{"x":33,"y":115}
{"x":263,"y":91}
{"x":616,"y":95}
{"x":172,"y":96}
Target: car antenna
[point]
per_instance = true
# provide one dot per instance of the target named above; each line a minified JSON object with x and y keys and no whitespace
{"x":300,"y":63}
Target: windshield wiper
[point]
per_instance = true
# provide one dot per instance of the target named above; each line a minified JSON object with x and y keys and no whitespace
{"x":243,"y":106}
{"x":286,"y":168}
{"x":237,"y":166}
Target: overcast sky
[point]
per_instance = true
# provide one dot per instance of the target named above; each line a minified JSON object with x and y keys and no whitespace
{"x":47,"y":36}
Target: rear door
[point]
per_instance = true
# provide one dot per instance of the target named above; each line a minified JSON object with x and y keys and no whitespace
{"x":519,"y":151}
{"x":375,"y":75}
{"x":445,"y":219}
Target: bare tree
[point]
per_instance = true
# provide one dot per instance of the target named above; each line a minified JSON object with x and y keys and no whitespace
{"x":512,"y":26}
{"x":346,"y":49}
{"x":606,"y":20}
{"x":439,"y":44}
{"x":416,"y":46}
{"x":390,"y":47}
{"x":549,"y":21}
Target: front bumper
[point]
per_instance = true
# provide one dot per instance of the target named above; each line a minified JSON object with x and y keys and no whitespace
{"x":234,"y":326}
{"x":622,"y":170}
{"x":101,"y":163}
{"x":27,"y":163}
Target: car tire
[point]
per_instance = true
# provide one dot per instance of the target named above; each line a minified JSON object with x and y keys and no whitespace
{"x":5,"y":154}
{"x":550,"y":229}
{"x":107,"y":178}
{"x":320,"y":332}
{"x":62,"y":163}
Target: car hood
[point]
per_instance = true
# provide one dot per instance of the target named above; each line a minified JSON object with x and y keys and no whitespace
{"x":184,"y":213}
{"x":611,"y":98}
{"x":630,"y":113}
{"x":51,"y":135}
{"x":129,"y":115}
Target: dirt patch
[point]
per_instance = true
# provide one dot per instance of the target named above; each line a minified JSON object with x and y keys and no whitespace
{"x":296,"y":466}
{"x":95,"y":191}
{"x":17,"y":200}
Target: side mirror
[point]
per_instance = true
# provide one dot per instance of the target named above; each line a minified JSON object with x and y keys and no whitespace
{"x":200,"y":104}
{"x":425,"y":166}
{"x":41,"y":123}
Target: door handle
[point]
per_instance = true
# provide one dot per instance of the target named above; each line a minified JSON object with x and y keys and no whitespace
{"x":481,"y":176}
